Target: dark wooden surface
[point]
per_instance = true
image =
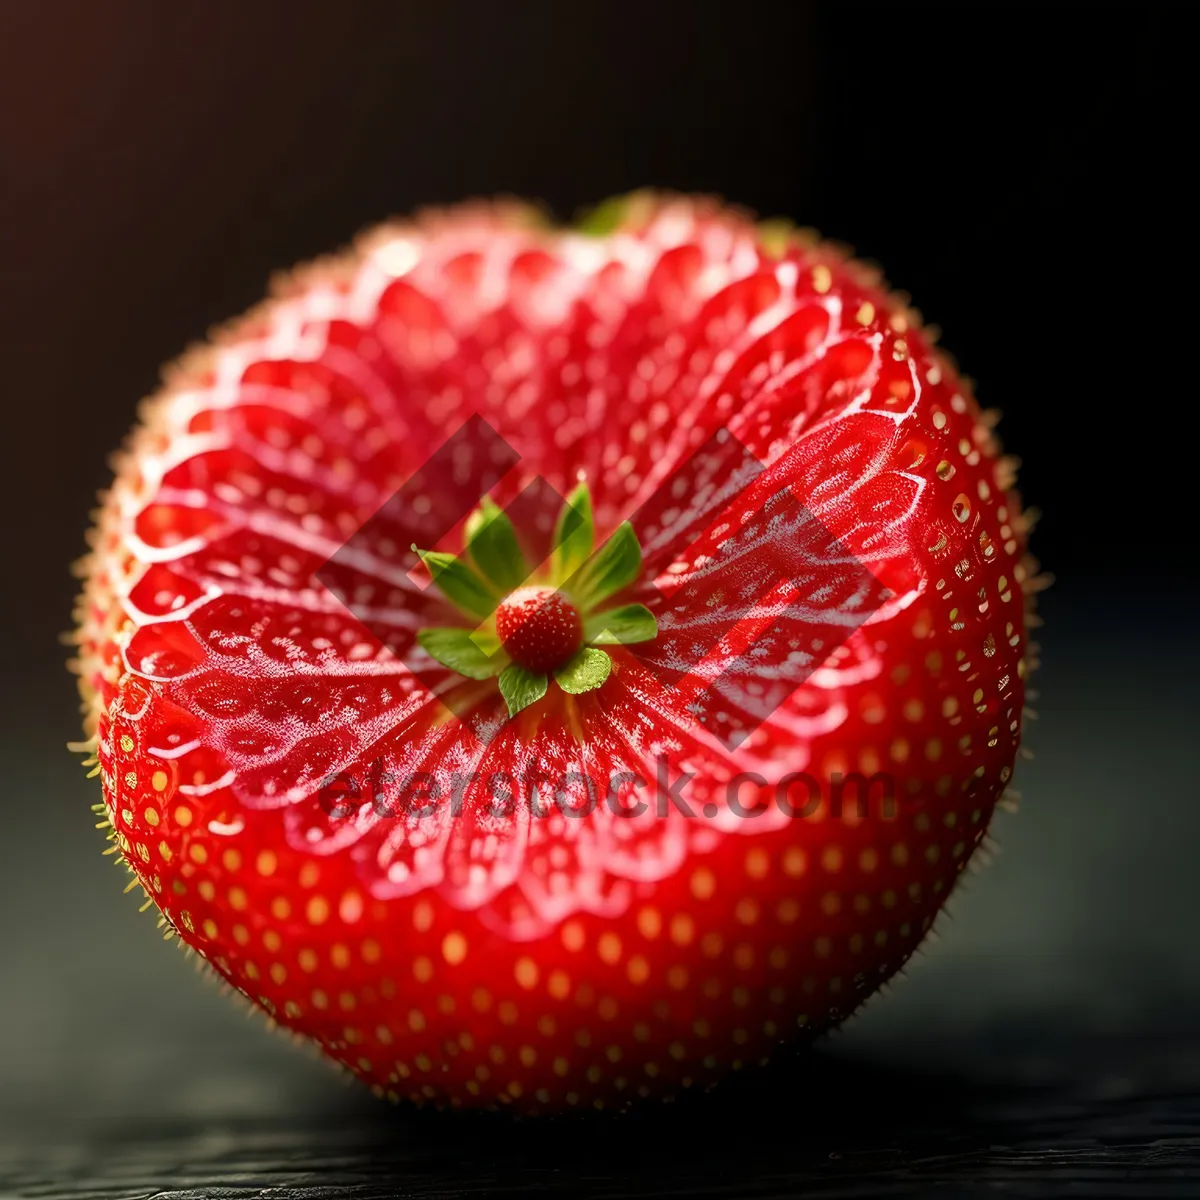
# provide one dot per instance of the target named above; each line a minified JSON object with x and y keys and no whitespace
{"x":1045,"y":1043}
{"x":827,"y":1127}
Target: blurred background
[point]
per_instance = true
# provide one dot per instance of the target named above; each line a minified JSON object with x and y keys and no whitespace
{"x":1022,"y":171}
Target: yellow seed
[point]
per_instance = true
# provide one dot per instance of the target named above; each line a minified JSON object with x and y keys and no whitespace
{"x":683,"y":929}
{"x":758,"y":864}
{"x":649,"y":922}
{"x":609,"y":948}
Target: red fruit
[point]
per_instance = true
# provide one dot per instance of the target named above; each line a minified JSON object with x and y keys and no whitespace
{"x":539,"y":627}
{"x":474,"y":907}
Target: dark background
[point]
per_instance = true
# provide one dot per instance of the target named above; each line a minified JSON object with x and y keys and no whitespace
{"x":1022,"y":171}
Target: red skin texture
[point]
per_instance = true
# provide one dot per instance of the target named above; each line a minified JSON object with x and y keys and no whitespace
{"x":539,"y":628}
{"x":586,"y":962}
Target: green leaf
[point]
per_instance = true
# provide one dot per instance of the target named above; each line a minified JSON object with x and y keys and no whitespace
{"x":614,"y":566}
{"x":574,"y":533}
{"x":628,"y":624}
{"x":521,"y":688}
{"x":607,"y":216}
{"x":492,"y":543}
{"x":459,"y":583}
{"x":776,"y":235}
{"x":486,"y":639}
{"x":461,"y":652}
{"x":587,"y":670}
{"x":473,"y":522}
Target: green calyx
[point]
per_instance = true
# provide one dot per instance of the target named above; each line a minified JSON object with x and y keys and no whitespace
{"x":612,"y":214}
{"x":493,"y":566}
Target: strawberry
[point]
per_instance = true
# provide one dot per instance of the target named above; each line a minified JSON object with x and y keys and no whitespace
{"x":538,"y":627}
{"x":549,"y":667}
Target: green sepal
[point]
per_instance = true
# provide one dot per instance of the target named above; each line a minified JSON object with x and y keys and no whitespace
{"x":492,"y":544}
{"x":614,"y":566}
{"x":487,"y":640}
{"x":776,"y":235}
{"x":459,"y":583}
{"x":574,"y":534}
{"x":521,"y":688}
{"x":625,"y":625}
{"x":461,"y":651}
{"x":586,"y":671}
{"x":606,"y":217}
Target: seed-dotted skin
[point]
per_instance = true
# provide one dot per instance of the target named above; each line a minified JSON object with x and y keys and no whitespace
{"x":539,"y":627}
{"x":594,"y":954}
